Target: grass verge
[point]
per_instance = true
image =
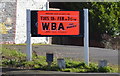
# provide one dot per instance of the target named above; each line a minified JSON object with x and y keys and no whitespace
{"x":16,"y":59}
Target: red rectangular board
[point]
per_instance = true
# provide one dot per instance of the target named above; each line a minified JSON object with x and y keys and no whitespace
{"x":58,"y":22}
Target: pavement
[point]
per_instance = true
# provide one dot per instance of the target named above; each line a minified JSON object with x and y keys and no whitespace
{"x":75,"y":52}
{"x":18,"y":72}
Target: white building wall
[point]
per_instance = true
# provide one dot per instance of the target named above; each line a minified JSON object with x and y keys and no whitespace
{"x":22,"y":5}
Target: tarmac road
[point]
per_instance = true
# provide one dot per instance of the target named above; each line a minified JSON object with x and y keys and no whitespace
{"x":75,"y":52}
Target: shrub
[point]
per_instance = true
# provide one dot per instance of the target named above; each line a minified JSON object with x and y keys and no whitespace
{"x":93,"y":68}
{"x":72,"y":64}
{"x":105,"y":69}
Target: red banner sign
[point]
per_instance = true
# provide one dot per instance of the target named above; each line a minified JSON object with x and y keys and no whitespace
{"x":58,"y":22}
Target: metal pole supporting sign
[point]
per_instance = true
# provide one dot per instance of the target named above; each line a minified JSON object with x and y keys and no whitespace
{"x":28,"y":43}
{"x":86,"y":37}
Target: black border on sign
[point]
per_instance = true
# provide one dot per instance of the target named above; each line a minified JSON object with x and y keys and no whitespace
{"x":34,"y":25}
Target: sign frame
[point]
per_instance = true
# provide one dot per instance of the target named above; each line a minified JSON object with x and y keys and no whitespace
{"x":85,"y":35}
{"x":34,"y":24}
